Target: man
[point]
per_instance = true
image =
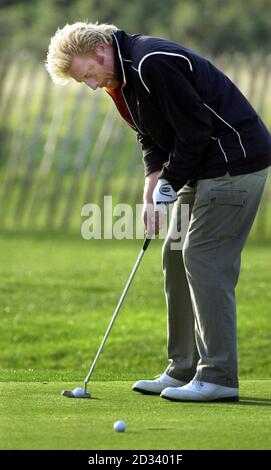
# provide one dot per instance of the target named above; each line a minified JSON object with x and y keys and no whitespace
{"x":203,"y":145}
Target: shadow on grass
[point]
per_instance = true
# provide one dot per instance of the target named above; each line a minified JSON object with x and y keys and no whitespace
{"x":254,"y":401}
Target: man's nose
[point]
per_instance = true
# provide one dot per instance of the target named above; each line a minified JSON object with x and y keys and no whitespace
{"x":91,"y":83}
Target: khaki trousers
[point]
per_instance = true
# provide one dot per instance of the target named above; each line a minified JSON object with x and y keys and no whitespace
{"x":200,"y":278}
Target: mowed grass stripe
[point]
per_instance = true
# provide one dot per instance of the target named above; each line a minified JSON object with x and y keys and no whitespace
{"x":58,"y":294}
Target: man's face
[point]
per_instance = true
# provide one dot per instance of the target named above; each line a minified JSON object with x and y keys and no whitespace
{"x":96,"y":70}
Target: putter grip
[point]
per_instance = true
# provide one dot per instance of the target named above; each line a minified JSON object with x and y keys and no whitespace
{"x":146,"y":243}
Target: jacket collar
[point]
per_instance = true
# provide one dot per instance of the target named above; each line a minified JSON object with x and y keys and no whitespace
{"x":121,"y":45}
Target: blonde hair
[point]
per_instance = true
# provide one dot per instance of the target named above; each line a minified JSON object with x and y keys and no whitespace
{"x":74,"y":39}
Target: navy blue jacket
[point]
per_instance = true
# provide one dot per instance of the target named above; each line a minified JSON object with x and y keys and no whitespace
{"x":191,"y":120}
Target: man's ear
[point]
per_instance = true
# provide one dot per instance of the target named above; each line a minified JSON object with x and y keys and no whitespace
{"x":99,"y":50}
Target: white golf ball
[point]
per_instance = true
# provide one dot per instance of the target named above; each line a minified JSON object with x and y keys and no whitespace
{"x":119,"y":426}
{"x":78,"y":392}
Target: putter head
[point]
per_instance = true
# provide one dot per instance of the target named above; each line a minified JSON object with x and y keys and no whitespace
{"x":70,"y":394}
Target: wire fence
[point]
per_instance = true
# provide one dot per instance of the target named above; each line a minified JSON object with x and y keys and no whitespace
{"x":64,"y":147}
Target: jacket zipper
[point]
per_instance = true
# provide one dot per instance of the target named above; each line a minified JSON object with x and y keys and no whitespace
{"x":136,"y":125}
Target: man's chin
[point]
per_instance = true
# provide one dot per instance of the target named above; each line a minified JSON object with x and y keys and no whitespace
{"x":111,"y":84}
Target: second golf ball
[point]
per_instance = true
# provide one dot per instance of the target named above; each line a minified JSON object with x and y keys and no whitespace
{"x":119,"y":426}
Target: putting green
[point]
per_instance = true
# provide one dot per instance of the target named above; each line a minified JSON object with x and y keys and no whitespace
{"x":36,"y":416}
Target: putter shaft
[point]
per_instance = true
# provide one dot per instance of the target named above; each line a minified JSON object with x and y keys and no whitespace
{"x":141,"y":254}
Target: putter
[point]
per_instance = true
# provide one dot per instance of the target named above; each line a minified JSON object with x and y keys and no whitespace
{"x":82,"y":392}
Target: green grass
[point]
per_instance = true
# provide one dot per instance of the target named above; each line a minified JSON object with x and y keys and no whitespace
{"x":57,"y":296}
{"x":36,"y":416}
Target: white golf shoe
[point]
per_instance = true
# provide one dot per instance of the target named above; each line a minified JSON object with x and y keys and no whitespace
{"x":156,"y":386}
{"x":201,"y":391}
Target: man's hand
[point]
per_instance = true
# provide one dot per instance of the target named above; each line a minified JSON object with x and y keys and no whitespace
{"x":153,"y":218}
{"x":163,"y":193}
{"x":154,"y":210}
